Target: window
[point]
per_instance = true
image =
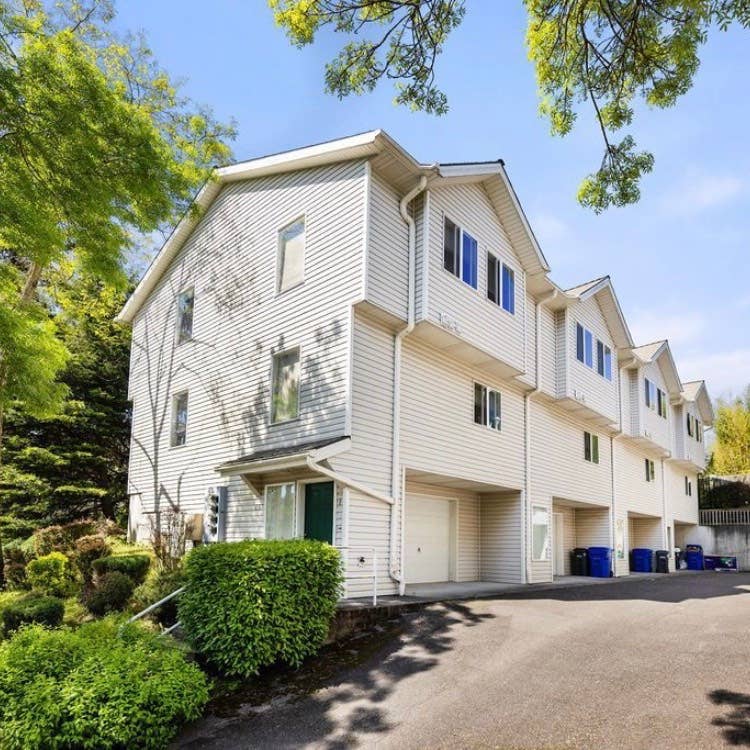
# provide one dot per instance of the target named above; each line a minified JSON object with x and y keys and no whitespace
{"x":292,"y":255}
{"x":591,"y":447}
{"x":281,"y":511}
{"x":698,"y":431}
{"x":650,"y":394}
{"x":540,"y":536}
{"x":688,"y":487}
{"x":460,"y":253}
{"x":603,"y":360}
{"x":285,"y":394}
{"x":661,"y":402}
{"x":501,"y":284}
{"x":185,"y":303}
{"x":584,"y":345}
{"x":650,"y":470}
{"x":690,"y":426}
{"x":509,"y":290}
{"x":179,"y":419}
{"x":487,"y":407}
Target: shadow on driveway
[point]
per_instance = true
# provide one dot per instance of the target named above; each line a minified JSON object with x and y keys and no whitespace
{"x":735,"y":724}
{"x":342,"y":687}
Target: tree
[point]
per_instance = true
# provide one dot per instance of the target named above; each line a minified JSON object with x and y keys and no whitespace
{"x":609,"y":54}
{"x":73,"y":464}
{"x":731,"y":452}
{"x":97,"y":149}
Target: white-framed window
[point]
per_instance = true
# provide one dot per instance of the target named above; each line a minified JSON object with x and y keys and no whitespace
{"x":603,"y":360}
{"x":688,"y":487}
{"x":650,"y":394}
{"x":540,"y":533}
{"x":460,"y":253}
{"x":285,"y":386}
{"x":690,"y":425}
{"x":698,"y":431}
{"x":661,"y":403}
{"x":584,"y":346}
{"x":179,"y":419}
{"x":292,"y":255}
{"x":650,"y":470}
{"x":591,"y":447}
{"x":281,"y":510}
{"x":487,"y":407}
{"x":185,"y":305}
{"x":501,"y":284}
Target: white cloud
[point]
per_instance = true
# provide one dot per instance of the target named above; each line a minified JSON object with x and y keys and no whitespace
{"x":698,"y":192}
{"x":725,"y":373}
{"x":549,"y":229}
{"x":680,"y":327}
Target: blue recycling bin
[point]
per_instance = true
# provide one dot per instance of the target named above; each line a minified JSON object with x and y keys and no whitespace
{"x":694,"y":554}
{"x":600,"y":562}
{"x":642,"y":560}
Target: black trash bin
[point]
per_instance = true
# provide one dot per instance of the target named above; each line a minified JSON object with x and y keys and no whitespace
{"x":662,"y":561}
{"x":579,"y":561}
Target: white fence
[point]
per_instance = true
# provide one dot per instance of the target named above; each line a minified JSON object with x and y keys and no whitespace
{"x":728,"y":517}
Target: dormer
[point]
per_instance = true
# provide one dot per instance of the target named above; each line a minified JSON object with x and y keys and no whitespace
{"x":590,"y":335}
{"x":693,"y":413}
{"x":653,"y":388}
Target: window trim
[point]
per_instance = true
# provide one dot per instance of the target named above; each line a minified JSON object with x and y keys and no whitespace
{"x":460,"y":253}
{"x":279,"y":264}
{"x":274,"y":356}
{"x":191,"y":337}
{"x":295,"y":524}
{"x":173,"y":418}
{"x":650,"y":470}
{"x":591,"y":447}
{"x":511,"y":308}
{"x":499,"y":403}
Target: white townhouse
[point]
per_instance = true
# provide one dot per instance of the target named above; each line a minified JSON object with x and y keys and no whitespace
{"x":346,"y":344}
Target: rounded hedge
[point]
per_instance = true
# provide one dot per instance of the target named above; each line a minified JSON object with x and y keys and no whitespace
{"x":135,"y":566}
{"x":99,"y":686}
{"x":88,"y":549}
{"x":51,"y":574}
{"x":111,"y":594}
{"x":33,"y":608}
{"x":250,"y":604}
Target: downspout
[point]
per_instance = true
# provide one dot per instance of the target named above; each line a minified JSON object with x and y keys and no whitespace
{"x":396,"y":484}
{"x":345,"y":481}
{"x":527,"y":431}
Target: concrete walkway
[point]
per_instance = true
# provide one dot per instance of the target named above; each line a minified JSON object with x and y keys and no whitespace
{"x":642,"y":662}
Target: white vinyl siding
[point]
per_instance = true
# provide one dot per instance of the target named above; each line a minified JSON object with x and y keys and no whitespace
{"x":634,"y":493}
{"x":500,"y":529}
{"x":655,"y":427}
{"x":230,"y":260}
{"x":480,"y":322}
{"x":586,"y":384}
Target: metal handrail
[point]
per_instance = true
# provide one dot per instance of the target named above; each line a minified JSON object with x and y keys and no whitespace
{"x":373,"y":574}
{"x":156,"y":605}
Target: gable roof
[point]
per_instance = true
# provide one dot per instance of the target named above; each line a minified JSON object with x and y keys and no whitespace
{"x":604,"y":293}
{"x":660,"y":353}
{"x":388,"y":157}
{"x":696,"y":392}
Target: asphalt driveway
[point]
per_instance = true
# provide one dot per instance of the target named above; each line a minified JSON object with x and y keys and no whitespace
{"x":657,"y":662}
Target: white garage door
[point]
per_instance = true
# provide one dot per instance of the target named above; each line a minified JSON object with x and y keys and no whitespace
{"x":427,"y":539}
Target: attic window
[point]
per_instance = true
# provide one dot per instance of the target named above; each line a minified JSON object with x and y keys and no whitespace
{"x":459,"y":253}
{"x":292,"y":255}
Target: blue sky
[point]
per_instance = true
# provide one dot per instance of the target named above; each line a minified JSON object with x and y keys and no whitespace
{"x":679,"y":259}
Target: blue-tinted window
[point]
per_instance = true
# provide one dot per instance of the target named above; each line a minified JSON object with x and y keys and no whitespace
{"x":588,"y":348}
{"x":607,"y":363}
{"x":469,"y":260}
{"x":509,"y":290}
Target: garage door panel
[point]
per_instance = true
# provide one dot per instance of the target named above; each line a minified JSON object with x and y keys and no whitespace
{"x":427,"y":539}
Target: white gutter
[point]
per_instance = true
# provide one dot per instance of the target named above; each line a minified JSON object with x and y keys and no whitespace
{"x":527,"y":435}
{"x":397,"y":575}
{"x":345,"y":481}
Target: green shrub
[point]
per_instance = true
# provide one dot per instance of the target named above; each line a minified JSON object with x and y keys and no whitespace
{"x":250,"y":604}
{"x":155,"y":588}
{"x":15,"y":558}
{"x":61,"y":538}
{"x":88,"y":549}
{"x":136,"y":566}
{"x":33,"y":607}
{"x":95,"y":688}
{"x":111,"y":593}
{"x":50,"y":574}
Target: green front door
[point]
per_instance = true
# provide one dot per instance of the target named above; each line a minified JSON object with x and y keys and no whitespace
{"x":319,"y":511}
